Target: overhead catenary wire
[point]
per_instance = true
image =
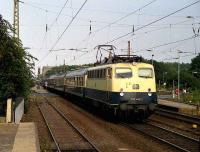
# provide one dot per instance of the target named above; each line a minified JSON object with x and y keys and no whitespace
{"x":155,"y":21}
{"x":127,"y":15}
{"x":121,"y":18}
{"x":165,"y":27}
{"x":59,"y":14}
{"x":98,"y":10}
{"x":59,"y":38}
{"x":174,"y":58}
{"x":169,"y":43}
{"x":87,"y":20}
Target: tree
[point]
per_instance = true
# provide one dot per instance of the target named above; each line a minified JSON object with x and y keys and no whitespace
{"x":195,"y":66}
{"x":15,"y":65}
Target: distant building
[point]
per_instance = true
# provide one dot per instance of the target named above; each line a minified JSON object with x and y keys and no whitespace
{"x":45,"y":69}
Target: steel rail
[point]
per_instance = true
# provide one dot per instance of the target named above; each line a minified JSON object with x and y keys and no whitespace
{"x":170,"y":125}
{"x":50,"y":131}
{"x":174,"y":132}
{"x":73,"y":126}
{"x":161,"y":139}
{"x":176,"y":115}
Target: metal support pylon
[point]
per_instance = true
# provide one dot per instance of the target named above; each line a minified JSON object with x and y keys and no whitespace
{"x":16,"y":19}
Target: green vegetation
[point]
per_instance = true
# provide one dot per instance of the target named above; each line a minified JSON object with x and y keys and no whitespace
{"x":195,"y":66}
{"x":64,"y":68}
{"x":193,"y":97}
{"x":189,"y":74}
{"x":15,"y":66}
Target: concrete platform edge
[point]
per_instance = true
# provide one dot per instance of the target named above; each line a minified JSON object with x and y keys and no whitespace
{"x":26,"y":138}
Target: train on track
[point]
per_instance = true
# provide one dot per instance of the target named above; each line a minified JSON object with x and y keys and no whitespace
{"x":123,"y":86}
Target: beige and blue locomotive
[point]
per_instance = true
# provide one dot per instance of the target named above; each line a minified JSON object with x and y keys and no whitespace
{"x":121,"y":88}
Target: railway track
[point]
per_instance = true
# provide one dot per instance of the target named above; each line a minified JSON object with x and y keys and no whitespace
{"x":179,"y":116}
{"x":171,"y":138}
{"x":65,"y":135}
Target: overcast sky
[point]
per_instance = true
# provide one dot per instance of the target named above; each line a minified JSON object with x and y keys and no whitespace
{"x":35,"y":15}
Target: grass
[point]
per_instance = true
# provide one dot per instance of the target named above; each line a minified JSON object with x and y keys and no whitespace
{"x":193,"y":97}
{"x":44,"y":145}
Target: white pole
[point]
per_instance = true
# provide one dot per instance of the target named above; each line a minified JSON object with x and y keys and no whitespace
{"x":178,"y":75}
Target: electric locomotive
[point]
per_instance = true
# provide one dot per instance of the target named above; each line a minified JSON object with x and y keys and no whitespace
{"x":123,"y":85}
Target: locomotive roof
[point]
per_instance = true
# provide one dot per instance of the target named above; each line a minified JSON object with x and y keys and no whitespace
{"x":79,"y":72}
{"x":57,"y":76}
{"x":119,"y":64}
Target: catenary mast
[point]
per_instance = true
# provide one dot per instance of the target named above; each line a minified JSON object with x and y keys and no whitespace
{"x":16,"y":19}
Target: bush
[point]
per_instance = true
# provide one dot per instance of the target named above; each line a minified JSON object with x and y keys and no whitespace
{"x":15,"y":66}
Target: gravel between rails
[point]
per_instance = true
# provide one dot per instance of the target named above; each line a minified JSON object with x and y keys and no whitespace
{"x":108,"y":136}
{"x":174,"y":139}
{"x":65,"y":135}
{"x":175,"y":125}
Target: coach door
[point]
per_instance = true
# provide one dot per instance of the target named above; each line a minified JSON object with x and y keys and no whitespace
{"x":108,"y":82}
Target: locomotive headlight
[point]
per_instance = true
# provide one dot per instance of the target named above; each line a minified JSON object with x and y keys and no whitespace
{"x":121,"y":92}
{"x":149,"y":92}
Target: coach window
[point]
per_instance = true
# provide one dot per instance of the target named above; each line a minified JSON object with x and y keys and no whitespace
{"x":123,"y":73}
{"x":94,"y":74}
{"x":109,"y":73}
{"x":145,"y":72}
{"x":90,"y":72}
{"x":97,"y":76}
{"x":100,"y":73}
{"x":104,"y":73}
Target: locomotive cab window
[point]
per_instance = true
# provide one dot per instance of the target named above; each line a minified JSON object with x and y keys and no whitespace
{"x":123,"y":73}
{"x":145,"y":72}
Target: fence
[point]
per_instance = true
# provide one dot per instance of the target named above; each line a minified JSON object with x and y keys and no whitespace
{"x":18,"y":110}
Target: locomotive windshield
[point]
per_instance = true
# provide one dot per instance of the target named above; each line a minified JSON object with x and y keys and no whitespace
{"x":145,"y":72}
{"x":123,"y":73}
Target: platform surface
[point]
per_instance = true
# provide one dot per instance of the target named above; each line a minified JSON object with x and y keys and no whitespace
{"x":26,"y":138}
{"x":7,"y":136}
{"x":39,"y":89}
{"x":176,"y":104}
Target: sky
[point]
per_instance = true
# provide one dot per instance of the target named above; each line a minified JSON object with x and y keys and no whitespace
{"x":69,"y":38}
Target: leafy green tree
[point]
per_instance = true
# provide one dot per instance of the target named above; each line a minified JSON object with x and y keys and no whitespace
{"x":195,"y":66}
{"x":15,"y":66}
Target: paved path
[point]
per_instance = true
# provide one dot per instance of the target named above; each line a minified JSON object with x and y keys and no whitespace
{"x":21,"y":137}
{"x":7,"y":136}
{"x":176,"y":104}
{"x":26,"y":139}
